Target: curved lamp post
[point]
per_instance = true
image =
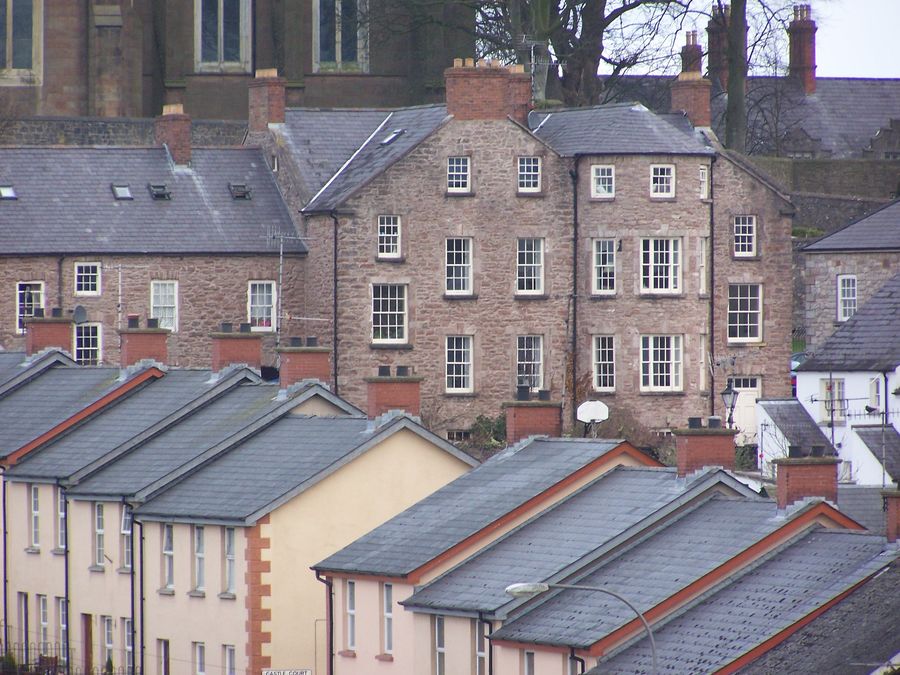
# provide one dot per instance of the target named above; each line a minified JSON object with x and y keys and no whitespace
{"x":530,"y":590}
{"x":729,"y":398}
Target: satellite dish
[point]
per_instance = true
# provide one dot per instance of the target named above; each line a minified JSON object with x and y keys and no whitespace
{"x":79,"y":315}
{"x":591,"y":412}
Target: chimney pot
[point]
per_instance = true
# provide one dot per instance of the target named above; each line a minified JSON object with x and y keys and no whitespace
{"x":245,"y":328}
{"x":312,"y":341}
{"x":152,"y":324}
{"x":56,"y":313}
{"x":695,"y":422}
{"x":225,"y":327}
{"x":714,"y":422}
{"x":295,"y":342}
{"x":133,"y":321}
{"x":384,"y":371}
{"x":402,"y":371}
{"x":38,"y":313}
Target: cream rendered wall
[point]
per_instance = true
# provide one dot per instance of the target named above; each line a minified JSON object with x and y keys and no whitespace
{"x":511,"y":661}
{"x":184,"y":617}
{"x":318,"y":407}
{"x":372,"y":488}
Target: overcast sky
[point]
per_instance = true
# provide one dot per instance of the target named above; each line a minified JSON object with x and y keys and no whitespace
{"x":857,"y":38}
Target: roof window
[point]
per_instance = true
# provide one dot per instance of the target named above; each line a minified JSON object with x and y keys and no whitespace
{"x":121,"y":192}
{"x":7,"y":192}
{"x":159,"y":191}
{"x":239,"y":190}
{"x":391,"y":137}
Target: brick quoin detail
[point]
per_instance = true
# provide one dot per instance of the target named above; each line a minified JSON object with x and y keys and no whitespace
{"x":698,"y":448}
{"x":532,"y":419}
{"x":236,"y":348}
{"x":304,"y":363}
{"x":266,"y":100}
{"x":43,"y":333}
{"x":393,"y":393}
{"x":892,"y":507}
{"x":256,"y":591}
{"x":143,"y":344}
{"x":798,"y":478}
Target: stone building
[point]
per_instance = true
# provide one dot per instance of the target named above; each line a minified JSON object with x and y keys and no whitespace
{"x":113,"y":58}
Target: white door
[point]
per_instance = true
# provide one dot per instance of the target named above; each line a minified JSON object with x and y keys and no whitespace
{"x":748,"y":390}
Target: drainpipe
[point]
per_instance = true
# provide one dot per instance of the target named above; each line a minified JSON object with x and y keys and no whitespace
{"x":574,"y":394}
{"x":577,"y":659}
{"x":334,"y":301}
{"x":67,"y":599}
{"x":141,"y":590}
{"x":131,"y":580}
{"x":59,"y":281}
{"x":490,"y":645}
{"x":5,"y":573}
{"x":329,"y":609}
{"x":712,"y":288}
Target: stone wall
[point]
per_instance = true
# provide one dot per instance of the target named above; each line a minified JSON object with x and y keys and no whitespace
{"x":111,"y":131}
{"x":867,"y":178}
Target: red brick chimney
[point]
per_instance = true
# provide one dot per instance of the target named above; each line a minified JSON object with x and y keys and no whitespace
{"x":801,"y":477}
{"x":303,"y":362}
{"x":266,"y":99}
{"x":399,"y":392}
{"x":487,"y":91}
{"x":892,"y":511}
{"x":802,"y":32}
{"x":717,"y":38}
{"x":242,"y":347}
{"x":143,"y":343}
{"x":44,"y":332}
{"x":532,"y":418}
{"x":173,"y":129}
{"x":690,"y":92}
{"x":699,"y":447}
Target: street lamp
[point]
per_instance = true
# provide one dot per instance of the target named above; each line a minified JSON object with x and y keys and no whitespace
{"x":530,"y":590}
{"x":729,"y":398}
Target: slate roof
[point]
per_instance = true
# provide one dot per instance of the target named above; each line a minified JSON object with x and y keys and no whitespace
{"x":553,"y":540}
{"x":10,"y":364}
{"x":868,"y":341}
{"x":619,"y":129}
{"x":871,"y":436}
{"x":864,"y":504}
{"x":758,"y":604}
{"x":683,"y":551}
{"x":877,"y":231}
{"x":795,"y":423}
{"x":373,"y":156}
{"x":65,"y":203}
{"x":113,"y":426}
{"x":465,"y":506}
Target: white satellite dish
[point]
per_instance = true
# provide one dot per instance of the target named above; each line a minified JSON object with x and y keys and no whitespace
{"x":591,"y":412}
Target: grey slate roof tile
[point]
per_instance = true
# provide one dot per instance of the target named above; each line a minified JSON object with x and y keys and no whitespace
{"x":879,"y":230}
{"x":871,"y":436}
{"x":10,"y":364}
{"x":65,"y":202}
{"x":795,"y":423}
{"x":757,"y":605}
{"x":465,"y":506}
{"x":868,"y":341}
{"x":864,"y":504}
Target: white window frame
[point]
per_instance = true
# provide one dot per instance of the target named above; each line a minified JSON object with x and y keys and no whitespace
{"x":661,"y":265}
{"x":34,"y":502}
{"x":389,"y":241}
{"x":168,"y":556}
{"x":702,"y":265}
{"x":875,"y":394}
{"x":459,"y":174}
{"x":255,"y":318}
{"x":229,"y":659}
{"x":654,"y":369}
{"x":529,"y":266}
{"x":395,"y":329}
{"x":603,"y":267}
{"x":847,"y":290}
{"x":199,"y":540}
{"x":745,"y":313}
{"x":833,"y":395}
{"x":62,"y":624}
{"x":99,"y":534}
{"x":61,"y":517}
{"x":242,"y":65}
{"x":480,"y":647}
{"x":91,"y":279}
{"x":745,"y":236}
{"x":603,"y":181}
{"x":458,"y":265}
{"x":228,"y":560}
{"x":88,"y":348}
{"x":662,"y":181}
{"x":387,"y":608}
{"x":604,"y":362}
{"x":127,"y":646}
{"x":43,"y":624}
{"x":440,"y":646}
{"x":199,"y":658}
{"x":361,"y":64}
{"x":350,"y":613}
{"x":158,"y":308}
{"x":33,"y":292}
{"x":32,"y":76}
{"x":528,"y":175}
{"x":458,"y":364}
{"x":106,"y":625}
{"x":530,"y":346}
{"x":528,"y":667}
{"x":704,"y":182}
{"x":125,"y":530}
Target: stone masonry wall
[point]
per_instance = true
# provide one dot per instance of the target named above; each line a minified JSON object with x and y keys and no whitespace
{"x":210,"y":290}
{"x":111,"y":131}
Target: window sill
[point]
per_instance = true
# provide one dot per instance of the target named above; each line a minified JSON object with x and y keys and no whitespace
{"x":225,"y":595}
{"x":531,"y":296}
{"x":611,"y":198}
{"x":196,"y":593}
{"x":99,"y":569}
{"x":347,"y":653}
{"x":661,"y":393}
{"x":604,"y":392}
{"x":33,"y":550}
{"x":123,"y":570}
{"x":460,"y":296}
{"x":460,"y":394}
{"x":58,"y":551}
{"x":602,"y":296}
{"x":390,"y":345}
{"x":470,"y":193}
{"x":649,"y":295}
{"x":384,"y":657}
{"x":741,"y":345}
{"x":662,"y":198}
{"x":539,"y":194}
{"x":387,"y":259}
{"x":166,"y":591}
{"x":750,"y":258}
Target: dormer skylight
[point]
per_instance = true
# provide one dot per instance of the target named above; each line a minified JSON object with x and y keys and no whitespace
{"x":391,"y":137}
{"x":7,"y":192}
{"x":159,"y":191}
{"x":121,"y":191}
{"x":239,"y":190}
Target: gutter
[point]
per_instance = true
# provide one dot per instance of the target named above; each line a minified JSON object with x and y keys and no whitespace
{"x":334,"y":300}
{"x":576,"y":659}
{"x":574,"y":176}
{"x":329,"y":609}
{"x":66,"y":592}
{"x":711,"y":253}
{"x":5,"y":568}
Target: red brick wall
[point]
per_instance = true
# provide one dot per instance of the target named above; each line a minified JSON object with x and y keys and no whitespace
{"x":487,"y":92}
{"x":802,"y":32}
{"x":174,"y":130}
{"x":892,"y":501}
{"x":301,"y":363}
{"x":236,"y":348}
{"x":143,"y":344}
{"x":43,"y":333}
{"x":266,"y":102}
{"x":393,"y":393}
{"x":698,"y":448}
{"x":532,"y":418}
{"x":798,"y":478}
{"x":256,"y":592}
{"x":692,"y":96}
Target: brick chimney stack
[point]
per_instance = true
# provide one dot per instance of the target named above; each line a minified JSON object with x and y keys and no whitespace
{"x":398,"y":392}
{"x":45,"y":332}
{"x":717,"y":38}
{"x":802,"y":32}
{"x":487,"y":91}
{"x":143,"y":343}
{"x":266,"y":99}
{"x":242,"y":347}
{"x":301,"y":361}
{"x":173,"y":129}
{"x":892,"y":513}
{"x":801,"y":477}
{"x":699,"y":447}
{"x":532,"y":418}
{"x":691,"y":92}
